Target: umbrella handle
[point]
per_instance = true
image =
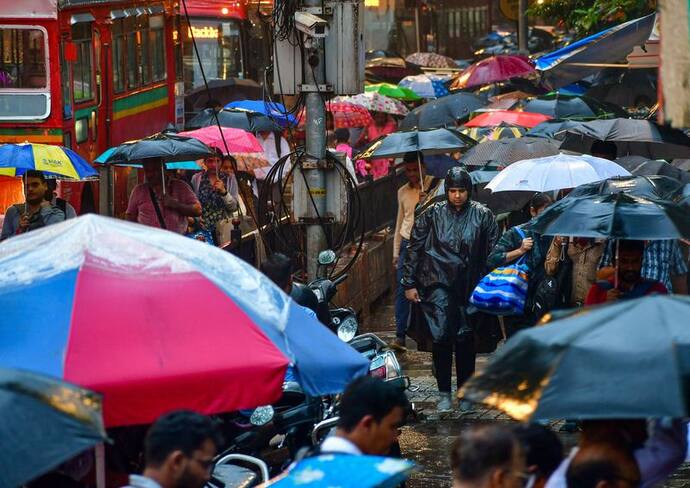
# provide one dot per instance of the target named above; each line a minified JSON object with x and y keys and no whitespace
{"x":419,"y":167}
{"x":163,"y":176}
{"x":615,"y":276}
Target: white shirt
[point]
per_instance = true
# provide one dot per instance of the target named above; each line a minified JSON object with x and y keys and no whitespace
{"x":138,"y":481}
{"x":337,"y":444}
{"x":269,"y":146}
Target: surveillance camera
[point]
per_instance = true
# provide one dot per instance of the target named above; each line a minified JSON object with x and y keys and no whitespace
{"x":311,"y":25}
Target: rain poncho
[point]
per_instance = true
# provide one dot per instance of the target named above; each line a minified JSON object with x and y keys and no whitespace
{"x":447,"y":258}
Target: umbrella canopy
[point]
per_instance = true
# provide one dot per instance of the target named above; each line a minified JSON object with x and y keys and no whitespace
{"x":346,"y":471}
{"x":226,"y":90}
{"x":156,"y":321}
{"x":242,"y":145}
{"x":431,"y":60}
{"x":16,"y":159}
{"x":503,"y":131}
{"x":444,"y":112}
{"x":554,"y":173}
{"x":236,"y":118}
{"x":393,"y":91}
{"x":45,"y":422}
{"x":507,"y":151}
{"x":389,"y":69}
{"x":346,"y":114}
{"x":552,"y":129}
{"x":491,"y":70}
{"x":375,"y":102}
{"x":600,"y":363}
{"x":497,"y":117}
{"x":189,"y":165}
{"x":631,"y":136}
{"x":681,"y":164}
{"x":428,"y":142}
{"x":162,"y":146}
{"x":426,"y":86}
{"x":274,"y":110}
{"x":573,"y":107}
{"x":584,"y":57}
{"x":654,"y":187}
{"x":641,"y":166}
{"x":624,"y":87}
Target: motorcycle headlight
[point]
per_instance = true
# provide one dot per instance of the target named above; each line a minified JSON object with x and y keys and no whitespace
{"x":347,"y":330}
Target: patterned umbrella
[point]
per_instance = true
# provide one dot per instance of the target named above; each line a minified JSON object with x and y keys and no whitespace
{"x":498,"y":117}
{"x":507,"y":151}
{"x":393,"y":91}
{"x":431,"y":60}
{"x":503,"y":131}
{"x":242,"y":145}
{"x":16,"y":159}
{"x":345,"y":115}
{"x":427,"y":86}
{"x":491,"y":70}
{"x":375,"y":102}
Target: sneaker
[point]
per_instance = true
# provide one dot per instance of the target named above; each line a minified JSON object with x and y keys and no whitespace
{"x":466,"y":406}
{"x":398,"y":345}
{"x":445,"y":404}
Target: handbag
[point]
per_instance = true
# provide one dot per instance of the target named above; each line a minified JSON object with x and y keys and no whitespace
{"x":553,"y":292}
{"x":504,"y":290}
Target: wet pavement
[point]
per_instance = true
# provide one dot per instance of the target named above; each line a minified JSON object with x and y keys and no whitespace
{"x":428,"y":440}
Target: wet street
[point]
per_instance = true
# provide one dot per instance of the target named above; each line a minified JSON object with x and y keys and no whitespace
{"x":428,"y":440}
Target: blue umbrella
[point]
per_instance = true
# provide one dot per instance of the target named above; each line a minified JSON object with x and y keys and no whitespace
{"x":172,"y":165}
{"x":427,"y":86}
{"x":276,"y":111}
{"x":59,"y":161}
{"x":581,"y":58}
{"x":345,"y":471}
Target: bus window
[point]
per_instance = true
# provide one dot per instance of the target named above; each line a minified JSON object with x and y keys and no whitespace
{"x":118,"y":56}
{"x":65,"y":82}
{"x":131,"y":33}
{"x":219,"y":47}
{"x":24,"y":88}
{"x":157,"y":45}
{"x":144,"y":49}
{"x":82,"y":71}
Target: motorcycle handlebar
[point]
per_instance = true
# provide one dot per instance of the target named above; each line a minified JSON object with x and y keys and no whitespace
{"x":340,"y":279}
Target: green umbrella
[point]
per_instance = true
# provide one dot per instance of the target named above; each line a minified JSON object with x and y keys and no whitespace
{"x":393,"y":91}
{"x":625,"y":360}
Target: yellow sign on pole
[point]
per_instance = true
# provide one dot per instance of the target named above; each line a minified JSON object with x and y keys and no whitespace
{"x":510,"y":8}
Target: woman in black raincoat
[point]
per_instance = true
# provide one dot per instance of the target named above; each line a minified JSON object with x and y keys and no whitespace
{"x":446,"y":258}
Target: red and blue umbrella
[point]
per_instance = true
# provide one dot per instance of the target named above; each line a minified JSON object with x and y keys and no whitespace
{"x":155,"y":322}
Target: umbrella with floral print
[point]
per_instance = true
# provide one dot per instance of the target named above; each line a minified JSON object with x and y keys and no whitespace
{"x":431,"y":60}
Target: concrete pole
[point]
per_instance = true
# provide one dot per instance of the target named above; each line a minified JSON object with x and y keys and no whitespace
{"x":523,"y":31}
{"x":416,"y":26}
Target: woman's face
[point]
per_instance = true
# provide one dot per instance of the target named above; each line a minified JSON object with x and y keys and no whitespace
{"x":380,"y":118}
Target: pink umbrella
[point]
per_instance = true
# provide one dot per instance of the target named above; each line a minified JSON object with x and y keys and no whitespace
{"x":492,"y":70}
{"x":498,"y":117}
{"x":242,"y":145}
{"x":345,"y":115}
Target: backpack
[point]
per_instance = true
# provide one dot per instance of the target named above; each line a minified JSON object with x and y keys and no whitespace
{"x":553,"y":292}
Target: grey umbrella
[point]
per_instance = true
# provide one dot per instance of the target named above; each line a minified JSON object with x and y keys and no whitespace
{"x":506,"y":151}
{"x":443,"y":112}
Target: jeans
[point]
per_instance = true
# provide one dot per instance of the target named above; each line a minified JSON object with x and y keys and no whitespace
{"x":402,"y":304}
{"x":464,"y":361}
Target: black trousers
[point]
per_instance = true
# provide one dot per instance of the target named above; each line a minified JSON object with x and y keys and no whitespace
{"x":465,"y":356}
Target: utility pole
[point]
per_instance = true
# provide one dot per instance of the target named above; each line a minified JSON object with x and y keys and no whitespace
{"x":523,"y":31}
{"x":416,"y":25}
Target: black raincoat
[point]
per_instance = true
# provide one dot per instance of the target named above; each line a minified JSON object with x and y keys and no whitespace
{"x":446,"y":258}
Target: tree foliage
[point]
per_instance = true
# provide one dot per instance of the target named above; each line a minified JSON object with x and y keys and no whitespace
{"x":589,"y":16}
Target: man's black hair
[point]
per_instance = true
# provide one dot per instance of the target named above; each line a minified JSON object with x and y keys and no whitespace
{"x":606,"y":148}
{"x":278,"y":268}
{"x":479,"y":450}
{"x":369,"y":396}
{"x":600,"y":462}
{"x":182,"y":430}
{"x":630,"y":246}
{"x":32,"y":173}
{"x":540,"y":200}
{"x":413,"y":157}
{"x":342,"y":135}
{"x":542,"y":447}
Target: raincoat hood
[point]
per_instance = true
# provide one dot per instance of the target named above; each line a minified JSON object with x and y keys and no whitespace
{"x":458,"y":177}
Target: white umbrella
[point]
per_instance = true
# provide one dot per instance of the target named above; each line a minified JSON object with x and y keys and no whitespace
{"x":554,"y":173}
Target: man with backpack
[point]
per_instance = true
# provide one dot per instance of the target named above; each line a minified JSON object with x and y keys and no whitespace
{"x":37,"y":212}
{"x":627,"y":281}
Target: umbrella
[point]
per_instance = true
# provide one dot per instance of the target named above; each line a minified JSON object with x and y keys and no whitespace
{"x":16,"y":159}
{"x":428,"y":142}
{"x":503,"y":131}
{"x":238,"y":119}
{"x":507,"y":151}
{"x":584,"y":57}
{"x":274,"y":110}
{"x":437,"y":165}
{"x":389,"y":69}
{"x":431,"y":60}
{"x":554,"y":173}
{"x":346,"y":114}
{"x":426,"y":86}
{"x":227,"y":90}
{"x":188,"y":165}
{"x":446,"y":111}
{"x":660,"y":187}
{"x":573,"y":107}
{"x":635,"y":137}
{"x":681,"y":164}
{"x":491,"y":70}
{"x":242,"y":145}
{"x":498,"y":117}
{"x":600,"y":363}
{"x":375,"y":102}
{"x":393,"y":91}
{"x":161,"y":146}
{"x":639,"y":165}
{"x":624,"y":87}
{"x":343,"y":471}
{"x":615,"y":216}
{"x":552,"y":129}
{"x":45,"y":422}
{"x":156,"y":321}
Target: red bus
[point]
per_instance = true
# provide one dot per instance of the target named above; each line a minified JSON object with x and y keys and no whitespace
{"x":88,"y":74}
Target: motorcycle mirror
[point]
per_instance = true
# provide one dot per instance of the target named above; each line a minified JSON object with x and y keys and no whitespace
{"x":327,"y":257}
{"x":261,"y":416}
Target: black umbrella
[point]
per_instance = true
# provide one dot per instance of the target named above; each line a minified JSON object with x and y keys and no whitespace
{"x":389,"y":69}
{"x":221,"y":92}
{"x":631,"y":136}
{"x":507,"y":151}
{"x":552,"y":129}
{"x":615,"y":216}
{"x":638,"y":165}
{"x":625,"y":360}
{"x":655,"y":187}
{"x":45,"y":422}
{"x":443,"y":112}
{"x":428,"y":142}
{"x":573,"y":107}
{"x":625,"y":87}
{"x":236,"y":119}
